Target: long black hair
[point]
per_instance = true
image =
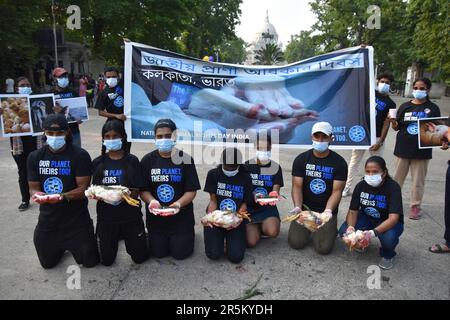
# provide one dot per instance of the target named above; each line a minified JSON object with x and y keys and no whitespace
{"x":116,"y":126}
{"x":380,"y":162}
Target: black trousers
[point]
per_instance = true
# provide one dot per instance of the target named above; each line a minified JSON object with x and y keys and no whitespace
{"x":109,"y":234}
{"x":21,"y":161}
{"x":179,"y":245}
{"x":447,"y":206}
{"x":51,"y":245}
{"x":236,"y":243}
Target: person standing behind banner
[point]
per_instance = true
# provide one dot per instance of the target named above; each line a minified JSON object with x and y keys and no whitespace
{"x":116,"y":167}
{"x":230,"y":189}
{"x":170,"y":180}
{"x":63,"y":171}
{"x":110,"y":101}
{"x":21,"y":147}
{"x":318,"y":178}
{"x":265,"y":219}
{"x":407,"y":153}
{"x":62,"y":91}
{"x":383,"y":104}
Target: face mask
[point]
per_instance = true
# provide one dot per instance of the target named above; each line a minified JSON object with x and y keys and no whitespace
{"x":63,"y":82}
{"x":25,"y":90}
{"x":383,"y":88}
{"x":113,"y":145}
{"x":112,"y":82}
{"x":263,"y":156}
{"x":230,"y":173}
{"x":373,"y":180}
{"x":419,"y":94}
{"x":57,"y":142}
{"x":320,"y":146}
{"x":164,"y":145}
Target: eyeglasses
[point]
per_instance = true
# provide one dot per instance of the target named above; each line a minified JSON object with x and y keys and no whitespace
{"x":421,"y":88}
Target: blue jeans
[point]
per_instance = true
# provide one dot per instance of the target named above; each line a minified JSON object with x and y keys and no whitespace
{"x":389,"y":239}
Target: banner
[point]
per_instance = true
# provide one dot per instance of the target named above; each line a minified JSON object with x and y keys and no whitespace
{"x":15,"y":115}
{"x":433,"y":132}
{"x":216,"y":102}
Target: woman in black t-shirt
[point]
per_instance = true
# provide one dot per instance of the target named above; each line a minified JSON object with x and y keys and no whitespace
{"x":230,"y":188}
{"x":118,"y":221}
{"x":377,"y":209}
{"x":267,"y":180}
{"x":170,"y":182}
{"x":408,"y":155}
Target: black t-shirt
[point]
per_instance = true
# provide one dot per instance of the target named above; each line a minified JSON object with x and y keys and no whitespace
{"x":318,"y":176}
{"x":263,"y":183}
{"x":111,"y":99}
{"x":67,"y":94}
{"x":407,"y":144}
{"x":231,"y":192}
{"x":378,"y":203}
{"x":383,"y":104}
{"x":125,"y":172}
{"x":56,"y":172}
{"x":168,"y":182}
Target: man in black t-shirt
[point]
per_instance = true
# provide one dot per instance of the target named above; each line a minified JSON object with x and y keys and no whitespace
{"x":318,"y":178}
{"x":58,"y":175}
{"x":63,"y":91}
{"x":110,"y":101}
{"x":382,"y":105}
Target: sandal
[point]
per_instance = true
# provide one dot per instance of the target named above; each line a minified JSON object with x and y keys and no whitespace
{"x":439,"y":249}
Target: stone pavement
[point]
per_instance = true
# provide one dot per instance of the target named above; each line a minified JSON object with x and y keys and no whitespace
{"x":285,"y":273}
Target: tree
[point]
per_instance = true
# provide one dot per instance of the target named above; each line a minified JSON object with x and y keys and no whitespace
{"x":343,"y":23}
{"x":300,"y":47}
{"x":430,"y":27}
{"x":233,"y":51}
{"x":213,"y":23}
{"x":269,"y":55}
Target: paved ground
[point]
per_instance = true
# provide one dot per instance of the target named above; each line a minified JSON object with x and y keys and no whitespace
{"x":285,"y":273}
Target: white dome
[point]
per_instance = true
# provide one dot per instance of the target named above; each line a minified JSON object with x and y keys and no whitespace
{"x":266,"y":29}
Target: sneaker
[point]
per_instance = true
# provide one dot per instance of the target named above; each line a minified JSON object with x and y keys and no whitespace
{"x":415,"y":213}
{"x":346,"y":193}
{"x":24,"y":206}
{"x":386,"y":264}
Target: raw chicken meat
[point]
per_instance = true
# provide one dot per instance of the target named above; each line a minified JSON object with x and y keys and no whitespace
{"x":224,"y":219}
{"x":111,"y":194}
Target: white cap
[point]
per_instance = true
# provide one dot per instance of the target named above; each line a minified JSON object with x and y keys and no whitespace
{"x":323,"y":127}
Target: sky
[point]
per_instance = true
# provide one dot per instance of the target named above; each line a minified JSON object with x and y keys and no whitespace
{"x":288,"y":16}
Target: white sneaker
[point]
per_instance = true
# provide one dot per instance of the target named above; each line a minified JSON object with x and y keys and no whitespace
{"x":346,"y":193}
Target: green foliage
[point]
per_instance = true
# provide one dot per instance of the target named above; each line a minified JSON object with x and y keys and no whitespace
{"x":269,"y":55}
{"x":233,"y":51}
{"x":301,"y":46}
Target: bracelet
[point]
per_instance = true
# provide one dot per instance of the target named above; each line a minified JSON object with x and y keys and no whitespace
{"x":65,"y":197}
{"x":375,"y":232}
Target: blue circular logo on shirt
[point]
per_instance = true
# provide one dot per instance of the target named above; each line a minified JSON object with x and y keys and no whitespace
{"x":165,"y":193}
{"x":261,"y":191}
{"x":318,"y":186}
{"x":118,"y":102}
{"x":413,"y":129}
{"x":357,"y":133}
{"x":372,"y":212}
{"x":53,"y":185}
{"x":228,"y":205}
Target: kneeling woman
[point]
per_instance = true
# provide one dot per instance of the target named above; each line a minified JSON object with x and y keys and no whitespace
{"x":377,"y":209}
{"x":267,"y":179}
{"x":230,"y":189}
{"x":170,"y":180}
{"x":122,"y":221}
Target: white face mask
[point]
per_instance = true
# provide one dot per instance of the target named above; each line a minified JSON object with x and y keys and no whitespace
{"x":230,"y":173}
{"x":112,"y":82}
{"x":25,"y":90}
{"x":383,"y":88}
{"x":263,"y":156}
{"x":373,"y":180}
